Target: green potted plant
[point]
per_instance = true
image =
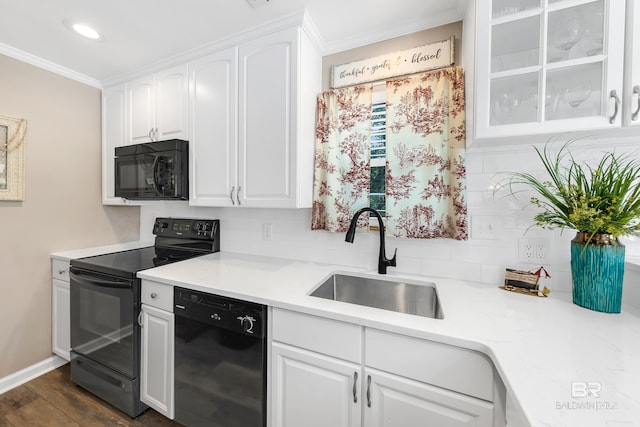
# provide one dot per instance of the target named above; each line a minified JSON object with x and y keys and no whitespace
{"x":601,"y":203}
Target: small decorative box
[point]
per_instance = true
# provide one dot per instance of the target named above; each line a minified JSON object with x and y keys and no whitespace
{"x":525,"y":282}
{"x":521,"y":279}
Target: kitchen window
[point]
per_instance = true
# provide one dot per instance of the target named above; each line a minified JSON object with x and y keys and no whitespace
{"x":378,"y":153}
{"x":420,"y":186}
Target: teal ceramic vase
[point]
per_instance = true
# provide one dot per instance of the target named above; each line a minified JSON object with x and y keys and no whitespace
{"x":597,"y":270}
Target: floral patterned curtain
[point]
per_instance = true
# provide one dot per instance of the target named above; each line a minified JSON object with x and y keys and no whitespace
{"x":342,"y":171}
{"x":426,"y":175}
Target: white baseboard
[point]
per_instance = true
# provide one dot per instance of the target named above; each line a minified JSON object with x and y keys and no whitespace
{"x":30,"y":372}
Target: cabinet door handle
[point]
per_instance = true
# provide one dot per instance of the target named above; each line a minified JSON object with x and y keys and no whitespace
{"x":369,"y":391}
{"x":140,"y":320}
{"x":62,"y":271}
{"x":238,"y":195}
{"x":634,"y":115}
{"x":233,"y":202}
{"x":150,"y":134}
{"x":613,"y":94}
{"x":355,"y":388}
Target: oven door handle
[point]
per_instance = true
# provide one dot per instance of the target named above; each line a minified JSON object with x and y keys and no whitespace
{"x":87,"y":280}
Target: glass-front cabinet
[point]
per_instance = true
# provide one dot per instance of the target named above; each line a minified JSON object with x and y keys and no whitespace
{"x":548,"y":66}
{"x":631,"y":104}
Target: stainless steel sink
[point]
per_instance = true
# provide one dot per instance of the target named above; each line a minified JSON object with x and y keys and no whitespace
{"x":417,"y":299}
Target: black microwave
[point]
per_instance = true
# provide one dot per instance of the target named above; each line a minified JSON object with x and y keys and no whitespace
{"x":153,"y":171}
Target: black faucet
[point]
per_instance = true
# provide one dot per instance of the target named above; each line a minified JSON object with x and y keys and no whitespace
{"x":383,"y":261}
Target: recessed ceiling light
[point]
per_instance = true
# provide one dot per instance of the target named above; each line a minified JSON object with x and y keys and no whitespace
{"x":86,"y":31}
{"x":83,"y":29}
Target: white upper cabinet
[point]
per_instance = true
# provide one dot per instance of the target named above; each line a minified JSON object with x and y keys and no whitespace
{"x":279,"y":79}
{"x":141,"y":102}
{"x":247,"y":108}
{"x":113,"y":135}
{"x":268,"y":94}
{"x":632,"y":71}
{"x":545,"y":66}
{"x":157,"y":106}
{"x":213,"y":88}
{"x":252,"y":122}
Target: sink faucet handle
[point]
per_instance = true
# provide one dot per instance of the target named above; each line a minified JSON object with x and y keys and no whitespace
{"x":392,"y":262}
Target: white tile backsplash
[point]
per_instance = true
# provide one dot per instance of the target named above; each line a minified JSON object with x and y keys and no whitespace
{"x":481,"y":260}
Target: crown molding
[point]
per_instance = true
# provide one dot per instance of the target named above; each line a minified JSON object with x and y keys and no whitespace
{"x":300,"y":17}
{"x":437,"y":20}
{"x":48,"y":65}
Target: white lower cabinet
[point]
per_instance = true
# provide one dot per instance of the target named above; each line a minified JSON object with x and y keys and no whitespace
{"x":60,"y":309}
{"x":314,"y":390}
{"x":330,"y":373}
{"x":157,"y":349}
{"x":392,"y":401}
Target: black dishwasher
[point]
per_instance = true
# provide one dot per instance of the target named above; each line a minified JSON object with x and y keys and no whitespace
{"x":220,"y":361}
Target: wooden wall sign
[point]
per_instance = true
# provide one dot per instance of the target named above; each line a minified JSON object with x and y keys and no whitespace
{"x":415,"y":60}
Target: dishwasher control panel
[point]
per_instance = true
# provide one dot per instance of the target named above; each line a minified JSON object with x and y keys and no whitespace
{"x":227,"y":313}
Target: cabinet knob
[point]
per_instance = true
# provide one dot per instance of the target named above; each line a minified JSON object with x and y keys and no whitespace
{"x":154,"y":295}
{"x":62,"y":271}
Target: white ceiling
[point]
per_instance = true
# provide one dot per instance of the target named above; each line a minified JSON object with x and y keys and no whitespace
{"x":138,"y":33}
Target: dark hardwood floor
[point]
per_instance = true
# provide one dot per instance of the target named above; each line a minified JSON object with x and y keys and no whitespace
{"x":53,"y":400}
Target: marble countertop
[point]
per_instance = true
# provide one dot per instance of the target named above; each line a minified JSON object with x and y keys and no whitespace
{"x":548,"y":351}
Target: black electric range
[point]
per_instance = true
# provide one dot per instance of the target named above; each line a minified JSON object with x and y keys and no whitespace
{"x":105,"y":305}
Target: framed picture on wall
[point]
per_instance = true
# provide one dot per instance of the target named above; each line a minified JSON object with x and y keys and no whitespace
{"x":13,"y":133}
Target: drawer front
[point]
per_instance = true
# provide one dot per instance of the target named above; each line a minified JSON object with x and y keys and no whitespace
{"x":454,"y":368}
{"x":157,"y":295}
{"x":326,"y":336}
{"x":60,"y":269}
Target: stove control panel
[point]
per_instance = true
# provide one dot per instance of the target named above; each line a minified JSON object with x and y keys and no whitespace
{"x":181,"y":228}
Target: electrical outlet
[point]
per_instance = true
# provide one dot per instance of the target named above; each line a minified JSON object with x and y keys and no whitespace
{"x":541,"y":250}
{"x":533,"y":251}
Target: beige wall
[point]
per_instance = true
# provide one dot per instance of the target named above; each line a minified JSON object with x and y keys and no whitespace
{"x":393,"y":45}
{"x":62,"y":209}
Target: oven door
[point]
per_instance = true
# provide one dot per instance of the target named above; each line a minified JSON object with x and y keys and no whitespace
{"x":104,"y":324}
